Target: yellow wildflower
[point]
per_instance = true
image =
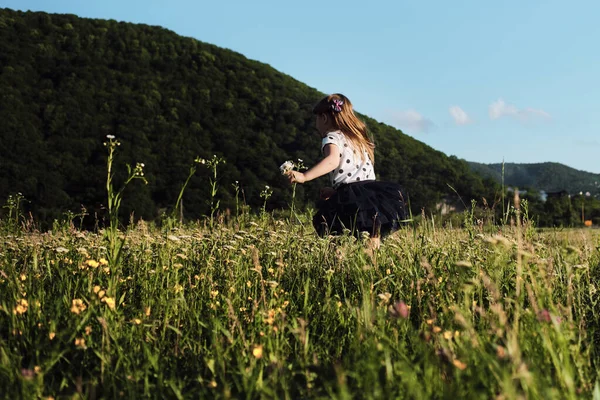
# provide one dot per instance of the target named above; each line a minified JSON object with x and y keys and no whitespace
{"x":80,"y":342}
{"x":102,"y":261}
{"x":51,"y":335}
{"x":23,"y":277}
{"x":92,"y":263}
{"x":110,"y":302}
{"x":147,"y":311}
{"x":77,"y":306}
{"x":21,"y":307}
{"x":271,"y":317}
{"x":88,"y":330}
{"x":257,"y":351}
{"x":459,"y":364}
{"x":137,"y":321}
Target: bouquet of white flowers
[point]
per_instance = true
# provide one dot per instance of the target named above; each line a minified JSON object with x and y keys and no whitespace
{"x":286,"y":167}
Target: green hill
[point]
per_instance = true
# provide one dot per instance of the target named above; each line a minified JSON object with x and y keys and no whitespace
{"x":550,"y":177}
{"x":67,"y":82}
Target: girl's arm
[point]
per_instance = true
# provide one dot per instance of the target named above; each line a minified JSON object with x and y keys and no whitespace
{"x":329,"y":162}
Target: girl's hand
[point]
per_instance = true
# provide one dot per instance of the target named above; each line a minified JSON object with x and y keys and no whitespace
{"x":327,"y":192}
{"x":296,"y":177}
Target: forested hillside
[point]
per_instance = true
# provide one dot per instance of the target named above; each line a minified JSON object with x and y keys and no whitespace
{"x":550,"y":177}
{"x":67,"y":82}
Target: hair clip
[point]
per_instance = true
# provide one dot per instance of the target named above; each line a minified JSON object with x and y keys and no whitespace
{"x":337,"y":105}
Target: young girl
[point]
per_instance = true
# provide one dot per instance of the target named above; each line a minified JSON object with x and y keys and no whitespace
{"x":355,"y":200}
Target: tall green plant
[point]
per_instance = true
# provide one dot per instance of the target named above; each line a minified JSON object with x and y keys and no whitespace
{"x":213,"y":163}
{"x":13,"y":205}
{"x":178,"y":209}
{"x":115,"y":243}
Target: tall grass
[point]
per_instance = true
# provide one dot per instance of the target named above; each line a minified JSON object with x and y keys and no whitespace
{"x":259,"y":307}
{"x":269,"y":310}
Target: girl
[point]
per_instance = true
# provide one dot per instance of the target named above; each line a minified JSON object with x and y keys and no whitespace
{"x":355,"y":200}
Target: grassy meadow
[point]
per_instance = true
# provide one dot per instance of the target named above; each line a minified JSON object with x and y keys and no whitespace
{"x":262,"y":308}
{"x":258,"y":306}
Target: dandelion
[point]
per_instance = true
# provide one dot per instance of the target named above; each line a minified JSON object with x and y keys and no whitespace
{"x":257,"y":351}
{"x":77,"y":306}
{"x":96,"y":289}
{"x":101,"y":294}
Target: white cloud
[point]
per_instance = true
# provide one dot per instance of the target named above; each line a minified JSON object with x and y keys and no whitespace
{"x":499,"y":109}
{"x":459,"y":115}
{"x":411,"y":121}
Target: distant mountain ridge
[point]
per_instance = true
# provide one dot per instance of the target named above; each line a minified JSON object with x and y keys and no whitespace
{"x":547,"y":176}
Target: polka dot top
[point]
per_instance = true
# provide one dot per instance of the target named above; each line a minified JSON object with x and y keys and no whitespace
{"x":351,"y":167}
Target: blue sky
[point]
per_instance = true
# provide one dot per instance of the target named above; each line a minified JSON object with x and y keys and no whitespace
{"x":517,"y":81}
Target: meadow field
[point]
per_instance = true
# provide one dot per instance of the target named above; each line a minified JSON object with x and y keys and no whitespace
{"x":260,"y":307}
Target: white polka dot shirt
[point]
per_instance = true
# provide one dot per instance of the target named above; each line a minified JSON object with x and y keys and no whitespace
{"x":351,"y":167}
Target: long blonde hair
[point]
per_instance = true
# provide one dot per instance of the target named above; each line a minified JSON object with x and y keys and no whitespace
{"x":339,"y":108}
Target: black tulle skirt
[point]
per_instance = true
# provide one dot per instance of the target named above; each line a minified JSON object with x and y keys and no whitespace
{"x":378,"y":208}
